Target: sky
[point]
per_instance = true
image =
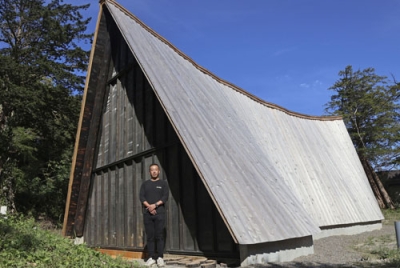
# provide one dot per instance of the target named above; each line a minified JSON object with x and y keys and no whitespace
{"x":287,"y":52}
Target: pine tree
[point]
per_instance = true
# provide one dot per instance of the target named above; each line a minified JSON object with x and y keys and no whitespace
{"x":41,"y":82}
{"x":369,"y":105}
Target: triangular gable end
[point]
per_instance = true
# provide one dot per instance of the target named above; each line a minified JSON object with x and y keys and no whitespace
{"x":122,"y":130}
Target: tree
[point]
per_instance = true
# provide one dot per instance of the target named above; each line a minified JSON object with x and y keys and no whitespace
{"x":41,"y":82}
{"x":369,"y":105}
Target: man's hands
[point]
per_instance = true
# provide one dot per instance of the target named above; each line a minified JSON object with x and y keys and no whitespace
{"x":152,"y":209}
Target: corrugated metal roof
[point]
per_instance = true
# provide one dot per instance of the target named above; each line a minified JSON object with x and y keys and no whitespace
{"x":273,"y":174}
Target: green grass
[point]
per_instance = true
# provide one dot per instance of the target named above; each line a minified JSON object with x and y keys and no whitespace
{"x":381,"y":251}
{"x":391,"y":215}
{"x":24,"y":244}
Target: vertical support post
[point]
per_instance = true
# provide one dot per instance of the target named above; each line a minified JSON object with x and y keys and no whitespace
{"x":397,"y":228}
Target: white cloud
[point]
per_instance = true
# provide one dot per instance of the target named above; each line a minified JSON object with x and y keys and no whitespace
{"x":312,"y":85}
{"x":317,"y":83}
{"x":304,"y":85}
{"x":283,"y":78}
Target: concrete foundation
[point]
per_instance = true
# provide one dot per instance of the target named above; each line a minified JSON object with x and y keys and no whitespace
{"x":288,"y":250}
{"x":278,"y":251}
{"x":79,"y":240}
{"x":349,"y":229}
{"x":3,"y":210}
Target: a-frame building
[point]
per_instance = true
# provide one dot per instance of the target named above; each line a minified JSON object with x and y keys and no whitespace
{"x":248,"y":179}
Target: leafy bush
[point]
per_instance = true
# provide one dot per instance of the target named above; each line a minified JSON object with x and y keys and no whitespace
{"x":24,"y":244}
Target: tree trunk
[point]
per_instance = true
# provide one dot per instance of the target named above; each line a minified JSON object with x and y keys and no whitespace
{"x":7,"y":190}
{"x":373,"y":185}
{"x":11,"y":196}
{"x":379,"y":190}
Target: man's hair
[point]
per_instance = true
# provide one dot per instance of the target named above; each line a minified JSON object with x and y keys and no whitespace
{"x":154,"y":164}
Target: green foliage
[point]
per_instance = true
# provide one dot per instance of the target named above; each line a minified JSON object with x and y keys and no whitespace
{"x":41,"y":81}
{"x":380,"y":251}
{"x":391,"y":215}
{"x":384,"y":253}
{"x":23,"y":140}
{"x":25,"y":244}
{"x":45,"y":195}
{"x":43,"y":39}
{"x":369,"y":105}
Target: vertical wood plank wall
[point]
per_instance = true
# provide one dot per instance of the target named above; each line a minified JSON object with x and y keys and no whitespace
{"x":135,"y":132}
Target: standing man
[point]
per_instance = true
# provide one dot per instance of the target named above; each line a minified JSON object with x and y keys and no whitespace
{"x":153,"y":195}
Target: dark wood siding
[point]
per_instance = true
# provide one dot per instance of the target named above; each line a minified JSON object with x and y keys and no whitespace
{"x":88,"y":132}
{"x":135,"y":132}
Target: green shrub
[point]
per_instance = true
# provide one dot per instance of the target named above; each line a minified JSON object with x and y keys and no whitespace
{"x":24,"y":244}
{"x":391,"y":215}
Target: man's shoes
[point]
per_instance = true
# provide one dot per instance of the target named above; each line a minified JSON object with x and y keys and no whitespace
{"x":160,"y":262}
{"x":150,"y":262}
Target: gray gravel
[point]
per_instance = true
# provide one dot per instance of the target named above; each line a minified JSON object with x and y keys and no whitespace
{"x":346,"y":250}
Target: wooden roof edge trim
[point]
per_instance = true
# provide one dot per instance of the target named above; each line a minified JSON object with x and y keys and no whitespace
{"x":78,"y":131}
{"x":218,"y":79}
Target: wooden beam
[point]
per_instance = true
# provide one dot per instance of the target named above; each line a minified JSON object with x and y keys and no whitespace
{"x":123,"y":253}
{"x":92,"y":118}
{"x":73,"y":186}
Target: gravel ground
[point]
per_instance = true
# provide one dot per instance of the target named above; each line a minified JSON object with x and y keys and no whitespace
{"x":341,"y":251}
{"x":347,"y":250}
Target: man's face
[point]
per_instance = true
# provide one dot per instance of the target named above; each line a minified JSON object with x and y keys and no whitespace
{"x":154,"y":172}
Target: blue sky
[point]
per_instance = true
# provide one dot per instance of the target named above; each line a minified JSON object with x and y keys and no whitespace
{"x":287,"y":52}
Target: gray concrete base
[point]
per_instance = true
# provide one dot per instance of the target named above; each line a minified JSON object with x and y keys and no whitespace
{"x":278,"y":251}
{"x":79,"y":240}
{"x":349,"y":229}
{"x":3,"y":210}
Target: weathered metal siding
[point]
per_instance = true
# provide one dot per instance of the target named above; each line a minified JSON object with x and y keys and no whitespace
{"x":273,"y":174}
{"x":134,"y":133}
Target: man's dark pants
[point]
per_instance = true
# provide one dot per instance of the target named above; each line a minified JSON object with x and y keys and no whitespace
{"x":154,"y":226}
